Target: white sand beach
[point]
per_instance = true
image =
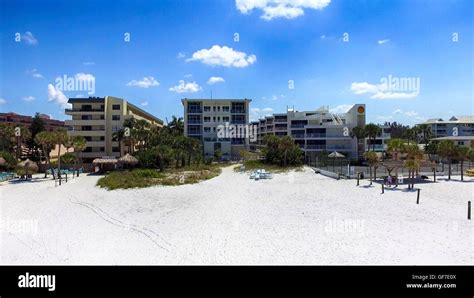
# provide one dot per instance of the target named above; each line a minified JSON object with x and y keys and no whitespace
{"x":294,"y":218}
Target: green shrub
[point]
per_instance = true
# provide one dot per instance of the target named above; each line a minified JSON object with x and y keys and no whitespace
{"x":9,"y":158}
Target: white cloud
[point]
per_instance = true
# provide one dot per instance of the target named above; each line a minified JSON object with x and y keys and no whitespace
{"x":144,"y":104}
{"x":28,"y":98}
{"x":257,"y":113}
{"x":397,"y":111}
{"x":411,"y":113}
{"x":213,"y":80}
{"x":29,"y":38}
{"x":181,"y":55}
{"x":188,"y":75}
{"x":288,"y":9}
{"x":88,"y":63}
{"x":379,"y":91}
{"x":383,"y":41}
{"x":223,"y":56}
{"x":56,"y":96}
{"x":146,"y":82}
{"x":341,"y":109}
{"x":2,"y":101}
{"x":184,"y":87}
{"x":276,"y":97}
{"x":34,"y":73}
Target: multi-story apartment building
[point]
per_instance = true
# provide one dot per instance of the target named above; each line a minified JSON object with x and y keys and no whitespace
{"x":320,"y":130}
{"x":459,"y":129}
{"x":205,"y":118}
{"x":98,"y":118}
{"x":15,"y":119}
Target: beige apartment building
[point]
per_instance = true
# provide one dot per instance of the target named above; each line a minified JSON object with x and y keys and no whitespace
{"x":203,"y":118}
{"x":98,"y":118}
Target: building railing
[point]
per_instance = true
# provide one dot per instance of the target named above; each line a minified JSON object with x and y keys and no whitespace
{"x":238,"y":111}
{"x":194,"y":121}
{"x":194,"y":110}
{"x":84,"y":110}
{"x":280,"y":128}
{"x":338,"y":147}
{"x":315,"y":135}
{"x":297,"y":125}
{"x":316,"y":147}
{"x":298,"y":136}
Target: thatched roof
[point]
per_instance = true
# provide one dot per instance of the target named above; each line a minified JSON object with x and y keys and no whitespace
{"x":128,"y":159}
{"x":28,"y":165}
{"x":104,"y":161}
{"x":336,"y":154}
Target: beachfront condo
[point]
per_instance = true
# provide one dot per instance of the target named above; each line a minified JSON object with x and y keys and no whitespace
{"x":213,"y":120}
{"x":459,"y":129}
{"x":320,"y":130}
{"x":98,"y":118}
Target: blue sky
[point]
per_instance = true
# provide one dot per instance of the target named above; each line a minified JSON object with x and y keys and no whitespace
{"x":336,"y":53}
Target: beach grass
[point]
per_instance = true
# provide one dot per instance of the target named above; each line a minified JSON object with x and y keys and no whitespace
{"x":251,"y":165}
{"x":140,"y":178}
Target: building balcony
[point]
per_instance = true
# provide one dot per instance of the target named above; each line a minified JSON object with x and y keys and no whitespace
{"x":298,"y":136}
{"x":84,"y":111}
{"x":194,"y":122}
{"x":297,"y":125}
{"x":338,"y":147}
{"x":93,"y":154}
{"x":84,"y":122}
{"x":238,"y":111}
{"x":194,"y":111}
{"x":86,"y":133}
{"x":280,"y":128}
{"x":315,"y":147}
{"x":96,"y":144}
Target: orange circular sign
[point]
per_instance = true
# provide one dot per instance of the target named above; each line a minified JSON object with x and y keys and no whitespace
{"x":360,"y":109}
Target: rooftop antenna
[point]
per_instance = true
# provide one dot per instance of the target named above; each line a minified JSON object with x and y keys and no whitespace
{"x":211,"y":94}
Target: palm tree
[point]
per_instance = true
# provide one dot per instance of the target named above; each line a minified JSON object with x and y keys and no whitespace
{"x":285,"y":145}
{"x":119,"y":136}
{"x":61,"y":138}
{"x":176,"y":125}
{"x":446,"y":149}
{"x":373,"y":131}
{"x":359,"y":133}
{"x":45,"y":140}
{"x":425,"y":131}
{"x":414,"y":156}
{"x":372,"y":160}
{"x":79,"y":144}
{"x":462,"y":154}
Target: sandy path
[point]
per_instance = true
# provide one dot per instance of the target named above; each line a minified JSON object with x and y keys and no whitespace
{"x":295,"y":218}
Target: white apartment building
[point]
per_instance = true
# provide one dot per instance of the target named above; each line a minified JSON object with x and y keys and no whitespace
{"x":204,"y":117}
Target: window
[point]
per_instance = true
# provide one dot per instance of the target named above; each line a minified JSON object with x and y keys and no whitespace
{"x":214,"y":108}
{"x":225,"y":119}
{"x":115,"y":117}
{"x":86,"y":107}
{"x":102,"y":138}
{"x":207,"y":129}
{"x":116,"y":107}
{"x":207,"y":119}
{"x":86,"y":117}
{"x":218,"y":108}
{"x":115,"y":149}
{"x":207,"y":108}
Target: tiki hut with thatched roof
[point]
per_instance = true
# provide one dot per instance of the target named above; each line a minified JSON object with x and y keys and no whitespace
{"x":105,"y":163}
{"x":26,"y":168}
{"x":128,"y":160}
